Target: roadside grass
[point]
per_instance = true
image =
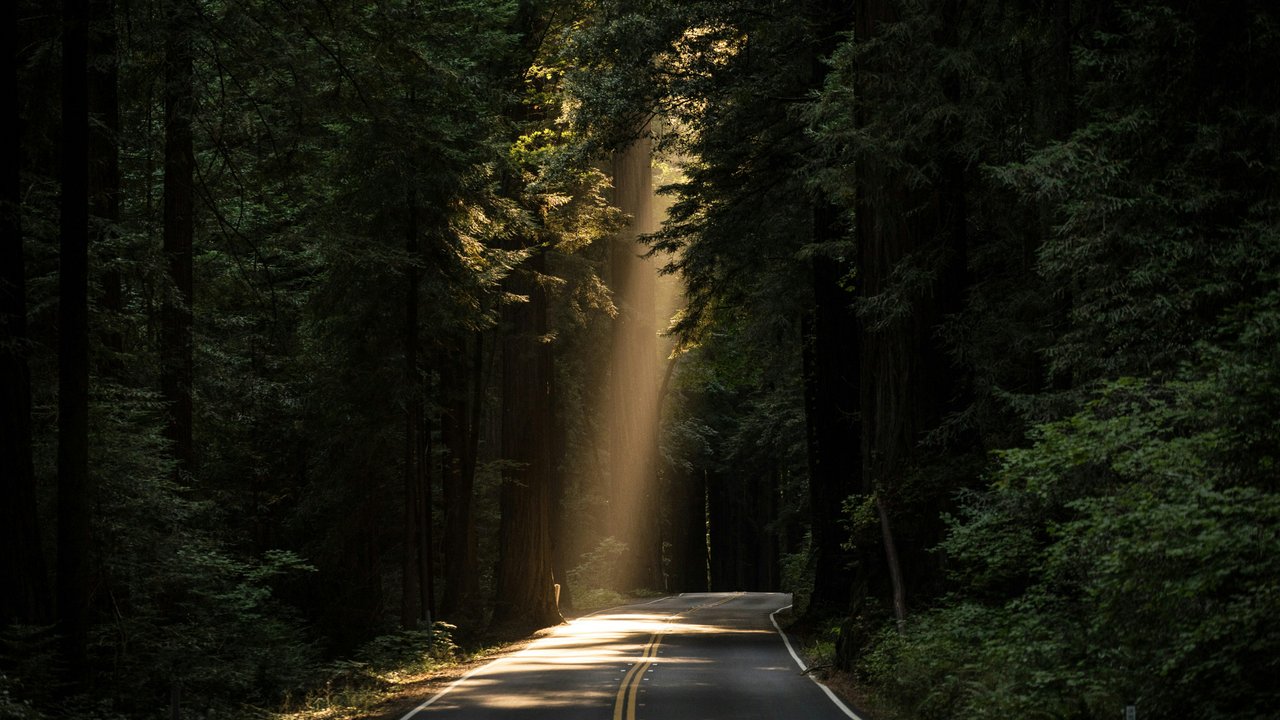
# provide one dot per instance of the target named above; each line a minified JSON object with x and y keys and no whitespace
{"x":388,"y":673}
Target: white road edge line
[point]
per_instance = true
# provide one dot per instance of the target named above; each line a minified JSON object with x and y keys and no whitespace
{"x":429,"y":701}
{"x":844,"y":708}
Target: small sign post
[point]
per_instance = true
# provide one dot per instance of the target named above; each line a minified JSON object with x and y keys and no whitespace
{"x":1130,"y":712}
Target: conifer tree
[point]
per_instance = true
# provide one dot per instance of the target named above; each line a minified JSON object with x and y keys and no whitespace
{"x":26,"y":594}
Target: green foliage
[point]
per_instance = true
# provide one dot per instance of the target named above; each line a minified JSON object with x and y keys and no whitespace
{"x":12,"y":708}
{"x":412,"y":650}
{"x":797,"y":575}
{"x":595,"y":598}
{"x":1127,"y":555}
{"x":1117,"y":344}
{"x":599,"y":568}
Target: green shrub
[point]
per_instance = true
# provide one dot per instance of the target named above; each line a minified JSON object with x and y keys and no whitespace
{"x":599,"y":569}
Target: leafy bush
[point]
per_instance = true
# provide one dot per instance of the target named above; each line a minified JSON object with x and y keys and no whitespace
{"x":600,"y":569}
{"x":596,"y":598}
{"x":1128,"y":556}
{"x":797,"y":575}
{"x":409,"y":649}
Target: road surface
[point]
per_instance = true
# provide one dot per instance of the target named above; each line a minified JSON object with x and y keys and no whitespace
{"x":703,"y":656}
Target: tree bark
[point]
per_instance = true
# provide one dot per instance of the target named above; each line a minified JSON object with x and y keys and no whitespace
{"x":525,"y":580}
{"x":74,"y":534}
{"x":25,"y":597}
{"x":885,"y":385}
{"x":688,"y":531}
{"x":831,"y":380}
{"x":895,"y":567}
{"x":907,"y":381}
{"x":411,"y":606}
{"x":633,"y":396}
{"x":176,"y":371}
{"x":830,"y":361}
{"x":458,"y":430}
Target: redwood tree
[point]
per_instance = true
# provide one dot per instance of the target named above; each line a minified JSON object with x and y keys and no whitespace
{"x":25,"y":594}
{"x":525,"y":582}
{"x":73,"y":591}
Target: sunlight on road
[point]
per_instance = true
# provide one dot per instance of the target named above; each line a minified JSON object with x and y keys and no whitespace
{"x":606,"y":660}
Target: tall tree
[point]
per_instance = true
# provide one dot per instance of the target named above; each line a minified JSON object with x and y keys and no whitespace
{"x":26,"y":593}
{"x":831,"y":366}
{"x":176,"y":362}
{"x":462,"y":383}
{"x":74,"y":502}
{"x":633,"y":380}
{"x":525,"y":580}
{"x":415,"y":602}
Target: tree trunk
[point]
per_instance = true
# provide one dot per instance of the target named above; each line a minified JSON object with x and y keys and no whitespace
{"x":907,"y":381}
{"x":179,"y":230}
{"x":885,"y":384}
{"x":831,"y":377}
{"x":895,"y":568}
{"x":686,"y":497}
{"x":458,"y":430}
{"x":73,"y":348}
{"x":688,"y":531}
{"x":525,"y":581}
{"x":25,"y":596}
{"x":633,"y":396}
{"x":411,"y":576}
{"x":829,"y":356}
{"x":426,"y":535}
{"x":723,"y":549}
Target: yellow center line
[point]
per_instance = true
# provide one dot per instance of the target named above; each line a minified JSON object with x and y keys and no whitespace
{"x":625,"y":700}
{"x":634,"y":674}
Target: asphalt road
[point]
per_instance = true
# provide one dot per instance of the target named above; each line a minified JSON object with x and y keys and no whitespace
{"x":704,"y":656}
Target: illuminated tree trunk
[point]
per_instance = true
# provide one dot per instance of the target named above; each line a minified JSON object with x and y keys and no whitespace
{"x":633,"y":396}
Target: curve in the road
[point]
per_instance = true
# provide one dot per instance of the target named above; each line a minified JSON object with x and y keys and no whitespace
{"x":691,"y":657}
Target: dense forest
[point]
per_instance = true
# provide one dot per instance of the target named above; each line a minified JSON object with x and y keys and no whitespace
{"x":330,"y":328}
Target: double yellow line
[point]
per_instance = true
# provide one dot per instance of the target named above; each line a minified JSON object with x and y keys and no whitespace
{"x":625,"y":701}
{"x":626,"y":698}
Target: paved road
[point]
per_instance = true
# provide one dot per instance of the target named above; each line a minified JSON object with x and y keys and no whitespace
{"x":704,"y":656}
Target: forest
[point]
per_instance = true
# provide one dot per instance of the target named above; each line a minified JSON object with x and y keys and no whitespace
{"x":340,"y":330}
